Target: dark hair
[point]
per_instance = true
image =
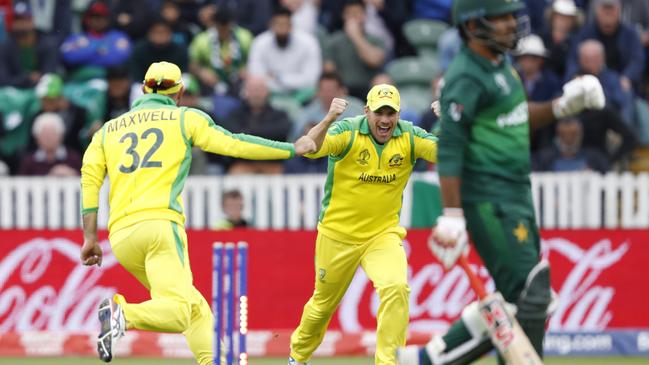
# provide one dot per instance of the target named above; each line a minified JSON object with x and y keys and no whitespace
{"x":281,"y":11}
{"x":332,"y":75}
{"x":231,"y":194}
{"x":223,"y":15}
{"x":117,"y":72}
{"x":360,"y":3}
{"x":158,"y":20}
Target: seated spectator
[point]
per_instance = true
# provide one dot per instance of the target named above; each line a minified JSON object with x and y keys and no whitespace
{"x":356,"y":56}
{"x":232,"y":206}
{"x":592,"y":61}
{"x":541,"y":84}
{"x":183,"y":31}
{"x":158,"y":45}
{"x":599,"y":126}
{"x":256,"y":117}
{"x":535,"y":10}
{"x":636,"y":14}
{"x":219,"y":55}
{"x":98,"y":45}
{"x":304,"y":14}
{"x":289,"y":59}
{"x":567,"y":153}
{"x":622,"y":46}
{"x":26,"y":55}
{"x":51,"y":157}
{"x":330,"y":86}
{"x":253,"y":15}
{"x":52,"y":19}
{"x":76,"y":129}
{"x":118,"y":100}
{"x":564,"y":20}
{"x":303,"y":165}
{"x":131,"y":17}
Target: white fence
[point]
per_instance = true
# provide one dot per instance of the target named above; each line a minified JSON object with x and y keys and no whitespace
{"x":579,"y":200}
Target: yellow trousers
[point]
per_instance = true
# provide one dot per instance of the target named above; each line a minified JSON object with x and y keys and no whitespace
{"x":384,"y":261}
{"x":155,"y":252}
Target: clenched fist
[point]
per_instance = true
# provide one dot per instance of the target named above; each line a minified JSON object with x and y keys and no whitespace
{"x":337,"y":107}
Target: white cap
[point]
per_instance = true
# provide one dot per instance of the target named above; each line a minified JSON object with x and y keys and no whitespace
{"x":565,"y":7}
{"x":532,"y":45}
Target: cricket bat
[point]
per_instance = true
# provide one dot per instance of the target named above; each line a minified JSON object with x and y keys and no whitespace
{"x":505,"y":332}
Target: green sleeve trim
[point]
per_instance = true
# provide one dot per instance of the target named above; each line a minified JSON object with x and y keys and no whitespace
{"x":179,"y":243}
{"x":328,"y":188}
{"x":182,"y":126}
{"x":411,"y":134}
{"x":345,"y":125}
{"x":89,"y":210}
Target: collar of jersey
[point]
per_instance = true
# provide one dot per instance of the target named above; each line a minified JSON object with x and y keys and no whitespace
{"x":364,"y":128}
{"x":485,"y":63}
{"x":156,"y":99}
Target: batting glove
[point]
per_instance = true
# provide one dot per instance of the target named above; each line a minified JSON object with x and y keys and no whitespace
{"x":449,"y":238}
{"x":582,"y":92}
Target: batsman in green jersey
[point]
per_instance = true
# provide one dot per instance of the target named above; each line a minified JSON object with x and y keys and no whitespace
{"x":484,"y":168}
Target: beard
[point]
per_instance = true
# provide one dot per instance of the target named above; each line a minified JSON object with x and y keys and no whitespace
{"x":282,"y":41}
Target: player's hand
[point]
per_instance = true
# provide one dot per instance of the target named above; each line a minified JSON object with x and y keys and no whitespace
{"x":582,"y":92}
{"x":337,"y":107}
{"x":304,"y":145}
{"x":449,"y":238}
{"x":91,"y":253}
{"x":436,"y":107}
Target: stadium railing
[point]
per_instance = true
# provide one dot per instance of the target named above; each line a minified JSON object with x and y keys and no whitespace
{"x":562,"y":201}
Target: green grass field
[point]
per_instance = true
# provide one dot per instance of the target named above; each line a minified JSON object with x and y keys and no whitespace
{"x":316,"y":361}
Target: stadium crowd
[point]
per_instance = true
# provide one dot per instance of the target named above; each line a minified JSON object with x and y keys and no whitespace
{"x":271,"y":68}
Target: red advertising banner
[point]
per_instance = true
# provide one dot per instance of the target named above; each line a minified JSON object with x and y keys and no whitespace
{"x":600,"y":276}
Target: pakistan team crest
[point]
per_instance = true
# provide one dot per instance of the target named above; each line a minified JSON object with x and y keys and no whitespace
{"x":363,"y":157}
{"x":396,"y":160}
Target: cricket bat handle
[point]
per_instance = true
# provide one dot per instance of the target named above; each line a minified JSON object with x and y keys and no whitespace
{"x":476,"y":284}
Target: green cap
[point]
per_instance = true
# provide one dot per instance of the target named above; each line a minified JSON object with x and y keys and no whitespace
{"x":465,"y":10}
{"x":50,"y":85}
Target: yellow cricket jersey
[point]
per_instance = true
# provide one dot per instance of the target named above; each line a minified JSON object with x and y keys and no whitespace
{"x":147,"y":153}
{"x":365,"y":181}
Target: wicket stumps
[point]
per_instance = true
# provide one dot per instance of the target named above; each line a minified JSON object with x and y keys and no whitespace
{"x":230,"y":280}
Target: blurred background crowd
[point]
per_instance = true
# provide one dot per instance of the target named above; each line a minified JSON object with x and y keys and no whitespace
{"x":271,"y":68}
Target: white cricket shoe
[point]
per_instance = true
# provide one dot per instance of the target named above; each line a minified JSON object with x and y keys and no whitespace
{"x":113,"y":326}
{"x":408,"y":355}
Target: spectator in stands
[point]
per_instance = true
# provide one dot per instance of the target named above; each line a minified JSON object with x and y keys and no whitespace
{"x":52,"y":19}
{"x":356,"y":56}
{"x":76,"y":128}
{"x":158,"y":45}
{"x":219,"y":55}
{"x":622,"y":46}
{"x":183,"y":31}
{"x":563,"y":20}
{"x":330,"y":86}
{"x":636,"y":14}
{"x":567,"y":153}
{"x":232,"y":206}
{"x":256,"y":117}
{"x":51,"y":156}
{"x":118,"y":95}
{"x":535,"y":9}
{"x":131,"y":17}
{"x":253,"y":15}
{"x":98,"y":45}
{"x":304,"y":14}
{"x":289,"y":59}
{"x":25,"y":56}
{"x":540,"y":83}
{"x":592,"y":60}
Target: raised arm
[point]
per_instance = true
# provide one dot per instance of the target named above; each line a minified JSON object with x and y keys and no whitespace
{"x":319,"y":131}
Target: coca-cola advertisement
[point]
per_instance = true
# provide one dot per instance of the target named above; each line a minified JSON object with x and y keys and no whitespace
{"x":599,"y":276}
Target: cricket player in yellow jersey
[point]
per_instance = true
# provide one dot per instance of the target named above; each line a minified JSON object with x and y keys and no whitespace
{"x":146,"y":153}
{"x":371,"y":157}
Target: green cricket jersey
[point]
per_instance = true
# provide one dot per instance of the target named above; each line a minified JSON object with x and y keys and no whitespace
{"x":484,"y":135}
